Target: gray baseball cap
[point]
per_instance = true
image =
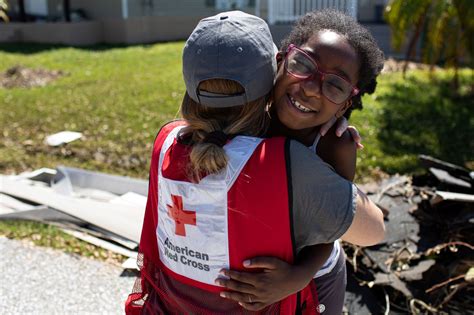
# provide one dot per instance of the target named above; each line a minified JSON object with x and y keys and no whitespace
{"x":231,"y":45}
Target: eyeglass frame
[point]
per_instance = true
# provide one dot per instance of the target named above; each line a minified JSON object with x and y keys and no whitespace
{"x":354,"y":89}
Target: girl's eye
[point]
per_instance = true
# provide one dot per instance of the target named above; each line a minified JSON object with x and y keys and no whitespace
{"x":301,"y":64}
{"x":335,"y":84}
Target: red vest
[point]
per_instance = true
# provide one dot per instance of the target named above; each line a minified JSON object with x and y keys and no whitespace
{"x":259,"y":223}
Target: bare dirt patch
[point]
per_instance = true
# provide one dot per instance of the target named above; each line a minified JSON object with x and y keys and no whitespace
{"x":19,"y":76}
{"x":393,"y":65}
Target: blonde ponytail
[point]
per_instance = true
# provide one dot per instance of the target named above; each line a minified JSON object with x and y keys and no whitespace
{"x":248,"y":119}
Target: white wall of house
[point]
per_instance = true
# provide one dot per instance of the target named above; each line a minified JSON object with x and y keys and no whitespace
{"x":288,"y":11}
{"x":147,"y":21}
{"x":200,"y":8}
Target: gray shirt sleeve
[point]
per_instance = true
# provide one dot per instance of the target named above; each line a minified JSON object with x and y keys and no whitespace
{"x":323,"y":202}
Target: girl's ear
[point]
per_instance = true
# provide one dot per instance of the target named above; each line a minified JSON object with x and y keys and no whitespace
{"x":343,"y":108}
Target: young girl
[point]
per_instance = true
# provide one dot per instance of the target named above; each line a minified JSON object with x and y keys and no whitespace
{"x":217,"y":195}
{"x":325,"y":65}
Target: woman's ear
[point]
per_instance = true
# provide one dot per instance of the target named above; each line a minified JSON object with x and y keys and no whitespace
{"x":279,"y":58}
{"x":343,"y":108}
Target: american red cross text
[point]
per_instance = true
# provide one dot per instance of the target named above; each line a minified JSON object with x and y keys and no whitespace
{"x":180,"y":216}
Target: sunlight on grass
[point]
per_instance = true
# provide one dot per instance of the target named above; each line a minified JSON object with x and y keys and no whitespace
{"x":416,"y":115}
{"x":120,"y":96}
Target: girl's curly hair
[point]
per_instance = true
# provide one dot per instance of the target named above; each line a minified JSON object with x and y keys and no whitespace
{"x":370,"y":56}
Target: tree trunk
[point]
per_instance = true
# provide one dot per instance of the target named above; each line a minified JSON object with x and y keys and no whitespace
{"x":21,"y":6}
{"x":456,"y":69}
{"x":67,"y":10}
{"x":413,"y":40}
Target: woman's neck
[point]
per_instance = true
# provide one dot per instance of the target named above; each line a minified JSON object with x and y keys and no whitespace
{"x":305,"y":136}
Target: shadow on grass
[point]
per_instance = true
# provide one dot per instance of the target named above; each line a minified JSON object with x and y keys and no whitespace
{"x":423,"y":117}
{"x":29,"y":49}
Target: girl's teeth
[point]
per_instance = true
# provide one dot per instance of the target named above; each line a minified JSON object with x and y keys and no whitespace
{"x":299,"y":106}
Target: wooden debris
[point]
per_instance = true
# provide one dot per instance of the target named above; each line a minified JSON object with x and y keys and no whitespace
{"x":445,"y":195}
{"x":101,"y":243}
{"x":445,"y":177}
{"x":455,"y":170}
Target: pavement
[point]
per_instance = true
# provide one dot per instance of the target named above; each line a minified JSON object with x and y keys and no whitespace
{"x":38,"y":280}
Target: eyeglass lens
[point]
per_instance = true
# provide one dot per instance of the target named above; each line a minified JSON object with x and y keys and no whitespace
{"x":335,"y":88}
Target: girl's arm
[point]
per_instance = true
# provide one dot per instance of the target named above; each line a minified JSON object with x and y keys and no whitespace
{"x":339,"y":152}
{"x":368,"y":227}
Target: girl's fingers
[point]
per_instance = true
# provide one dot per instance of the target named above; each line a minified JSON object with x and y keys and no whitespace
{"x":236,"y":286}
{"x":244,"y":277}
{"x":239,"y":297}
{"x":342,"y":125}
{"x":253,"y":306}
{"x":354,"y":134}
{"x":324,"y":128}
{"x":263,"y":262}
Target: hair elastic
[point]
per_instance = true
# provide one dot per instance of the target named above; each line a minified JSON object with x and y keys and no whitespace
{"x":217,"y":137}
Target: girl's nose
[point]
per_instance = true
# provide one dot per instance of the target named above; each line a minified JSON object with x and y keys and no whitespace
{"x":312,"y":86}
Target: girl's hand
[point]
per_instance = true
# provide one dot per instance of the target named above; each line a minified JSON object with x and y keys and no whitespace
{"x":342,"y":125}
{"x":255,"y":291}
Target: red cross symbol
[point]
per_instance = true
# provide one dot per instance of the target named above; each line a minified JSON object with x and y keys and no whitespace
{"x":180,"y":216}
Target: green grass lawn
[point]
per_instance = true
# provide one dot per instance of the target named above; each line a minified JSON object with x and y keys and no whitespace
{"x":120,"y":96}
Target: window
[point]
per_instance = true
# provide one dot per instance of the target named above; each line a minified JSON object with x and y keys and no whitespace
{"x":226,"y":5}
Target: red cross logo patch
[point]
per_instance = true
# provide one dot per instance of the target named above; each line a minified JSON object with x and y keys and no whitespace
{"x":180,"y":216}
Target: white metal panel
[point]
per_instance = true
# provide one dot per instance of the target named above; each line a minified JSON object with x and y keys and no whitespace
{"x":285,"y":11}
{"x":36,"y":7}
{"x":229,"y":5}
{"x":121,"y":219}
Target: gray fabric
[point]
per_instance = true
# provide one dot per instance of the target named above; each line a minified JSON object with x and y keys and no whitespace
{"x":323,"y":202}
{"x":331,"y":288}
{"x":220,"y":47}
{"x":220,"y":100}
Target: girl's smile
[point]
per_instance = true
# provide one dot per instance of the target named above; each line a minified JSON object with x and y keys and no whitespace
{"x":299,"y":107}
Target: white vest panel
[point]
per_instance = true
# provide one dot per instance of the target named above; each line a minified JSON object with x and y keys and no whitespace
{"x":192,"y":226}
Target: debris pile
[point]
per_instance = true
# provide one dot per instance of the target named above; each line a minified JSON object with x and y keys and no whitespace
{"x":23,"y":77}
{"x":424,"y":265}
{"x":426,"y":262}
{"x":101,"y":209}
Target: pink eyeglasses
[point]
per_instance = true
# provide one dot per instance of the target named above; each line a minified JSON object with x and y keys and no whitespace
{"x":301,"y":65}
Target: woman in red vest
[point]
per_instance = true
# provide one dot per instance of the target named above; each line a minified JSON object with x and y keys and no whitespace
{"x":219,"y":195}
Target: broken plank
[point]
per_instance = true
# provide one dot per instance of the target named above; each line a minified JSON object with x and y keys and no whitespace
{"x":130,"y":263}
{"x":119,"y":185}
{"x":46,"y":215}
{"x":112,"y":237}
{"x":445,"y":177}
{"x":446,"y":195}
{"x":101,"y":243}
{"x":428,"y":162}
{"x":15,"y":204}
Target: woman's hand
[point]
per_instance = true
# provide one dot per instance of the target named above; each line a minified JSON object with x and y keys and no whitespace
{"x":342,"y":125}
{"x":255,"y":291}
